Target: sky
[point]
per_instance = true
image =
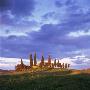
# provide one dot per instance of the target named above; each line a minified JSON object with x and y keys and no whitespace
{"x":60,"y":28}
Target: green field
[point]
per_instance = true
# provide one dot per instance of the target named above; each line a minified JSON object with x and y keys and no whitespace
{"x":45,"y":81}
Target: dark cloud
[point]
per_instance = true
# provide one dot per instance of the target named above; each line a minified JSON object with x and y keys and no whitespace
{"x":13,"y":11}
{"x":51,"y":38}
{"x":75,"y":22}
{"x":12,"y":47}
{"x":15,"y":46}
{"x":5,"y":19}
{"x":50,"y":42}
{"x":70,"y":2}
{"x":17,"y":22}
{"x":17,"y":7}
{"x":4,"y":5}
{"x":56,"y":35}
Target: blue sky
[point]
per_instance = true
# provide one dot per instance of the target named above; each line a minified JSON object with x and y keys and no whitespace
{"x":60,"y":28}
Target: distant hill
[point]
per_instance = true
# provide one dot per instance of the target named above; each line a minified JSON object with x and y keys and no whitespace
{"x":1,"y":70}
{"x":86,"y":70}
{"x":81,"y":71}
{"x":4,"y":71}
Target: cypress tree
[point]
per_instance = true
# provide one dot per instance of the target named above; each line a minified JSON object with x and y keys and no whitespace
{"x":42,"y":61}
{"x":66,"y":65}
{"x":31,"y":60}
{"x":55,"y":62}
{"x":21,"y":62}
{"x":35,"y":62}
{"x":49,"y":60}
{"x":58,"y":63}
{"x":63,"y":66}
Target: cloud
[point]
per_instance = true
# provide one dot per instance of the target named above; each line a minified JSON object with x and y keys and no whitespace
{"x":56,"y":36}
{"x":48,"y":15}
{"x":70,"y":3}
{"x":81,"y":62}
{"x":14,"y":12}
{"x":14,"y":25}
{"x":60,"y":3}
{"x":79,"y":33}
{"x":10,"y":63}
{"x":52,"y":39}
{"x":4,"y":4}
{"x":18,"y":7}
{"x":77,"y":62}
{"x":53,"y":34}
{"x":19,"y":48}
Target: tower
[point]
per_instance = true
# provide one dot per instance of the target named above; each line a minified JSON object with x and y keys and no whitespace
{"x":31,"y":60}
{"x":35,"y":62}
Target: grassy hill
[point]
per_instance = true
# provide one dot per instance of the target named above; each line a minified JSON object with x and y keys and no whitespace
{"x":54,"y":80}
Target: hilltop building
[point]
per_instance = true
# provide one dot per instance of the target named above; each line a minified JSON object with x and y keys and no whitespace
{"x":42,"y":64}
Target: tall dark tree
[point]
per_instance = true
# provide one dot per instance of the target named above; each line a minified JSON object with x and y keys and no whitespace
{"x":63,"y":66}
{"x":66,"y":65}
{"x":58,"y":63}
{"x":21,"y":61}
{"x":49,"y":60}
{"x":31,"y":60}
{"x":42,"y":61}
{"x":22,"y":64}
{"x":55,"y":62}
{"x":35,"y":61}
